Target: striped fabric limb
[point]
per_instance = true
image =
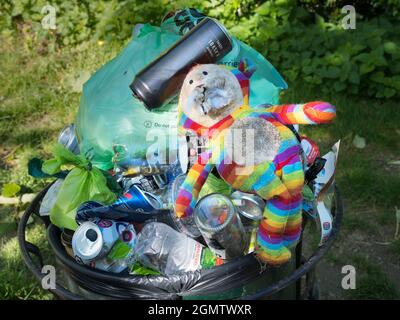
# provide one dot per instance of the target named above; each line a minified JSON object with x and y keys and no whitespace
{"x":293,"y":178}
{"x":190,"y":189}
{"x":279,"y":229}
{"x":281,"y":226}
{"x":269,"y":246}
{"x":307,"y":113}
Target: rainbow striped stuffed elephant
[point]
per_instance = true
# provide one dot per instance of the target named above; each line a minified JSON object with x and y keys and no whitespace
{"x":214,"y":102}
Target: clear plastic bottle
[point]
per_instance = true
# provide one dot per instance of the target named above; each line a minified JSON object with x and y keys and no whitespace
{"x":163,"y":249}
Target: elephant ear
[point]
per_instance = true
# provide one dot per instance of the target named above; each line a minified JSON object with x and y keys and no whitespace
{"x":243,"y":73}
{"x":247,"y":67}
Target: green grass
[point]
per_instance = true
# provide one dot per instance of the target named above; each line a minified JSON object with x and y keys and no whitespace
{"x":371,"y":281}
{"x":395,"y":248}
{"x":369,"y":185}
{"x":15,"y":281}
{"x":365,"y":176}
{"x":37,"y":100}
{"x":357,"y":222}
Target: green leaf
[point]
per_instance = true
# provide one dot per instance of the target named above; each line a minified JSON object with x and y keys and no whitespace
{"x":390,"y":47}
{"x":378,"y":59}
{"x":366,"y":68}
{"x":10,"y":190}
{"x":378,"y":77}
{"x":396,"y":82}
{"x":332,"y":72}
{"x":363,"y":57}
{"x":264,"y":9}
{"x":339,"y":86}
{"x":354,"y":77}
{"x":359,"y":142}
{"x":389,"y":92}
{"x":120,"y":250}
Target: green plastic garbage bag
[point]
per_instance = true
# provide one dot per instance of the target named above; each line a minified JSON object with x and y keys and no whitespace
{"x":83,"y":183}
{"x":109,"y":115}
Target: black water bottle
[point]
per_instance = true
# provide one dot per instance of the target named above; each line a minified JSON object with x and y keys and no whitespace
{"x":159,"y":81}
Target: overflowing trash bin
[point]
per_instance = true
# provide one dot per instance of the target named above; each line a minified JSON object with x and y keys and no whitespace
{"x":242,"y":278}
{"x":148,"y":203}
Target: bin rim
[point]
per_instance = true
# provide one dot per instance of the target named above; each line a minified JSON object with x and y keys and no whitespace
{"x":28,"y":250}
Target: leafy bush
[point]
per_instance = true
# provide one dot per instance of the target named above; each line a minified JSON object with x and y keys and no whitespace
{"x":304,"y":39}
{"x":305,"y":47}
{"x":365,"y":8}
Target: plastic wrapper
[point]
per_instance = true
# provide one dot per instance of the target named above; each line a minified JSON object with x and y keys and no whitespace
{"x":324,"y":192}
{"x":161,"y":248}
{"x":50,"y":198}
{"x":109,"y":115}
{"x":83,"y":183}
{"x":187,"y":225}
{"x":326,"y":176}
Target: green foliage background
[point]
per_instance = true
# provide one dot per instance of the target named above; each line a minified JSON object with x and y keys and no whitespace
{"x":304,"y":39}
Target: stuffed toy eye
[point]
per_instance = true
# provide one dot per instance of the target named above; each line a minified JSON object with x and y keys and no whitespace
{"x":190,"y":81}
{"x":205,"y":73}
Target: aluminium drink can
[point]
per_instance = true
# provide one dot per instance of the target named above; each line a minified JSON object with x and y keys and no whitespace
{"x":121,"y":254}
{"x":68,"y":139}
{"x":94,"y":239}
{"x":159,"y":81}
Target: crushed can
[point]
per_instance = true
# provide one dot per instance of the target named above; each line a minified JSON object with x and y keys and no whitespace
{"x":68,"y":139}
{"x":152,"y":184}
{"x":121,"y":255}
{"x":104,"y":244}
{"x":136,"y":205}
{"x":94,"y":239}
{"x":310,"y":149}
